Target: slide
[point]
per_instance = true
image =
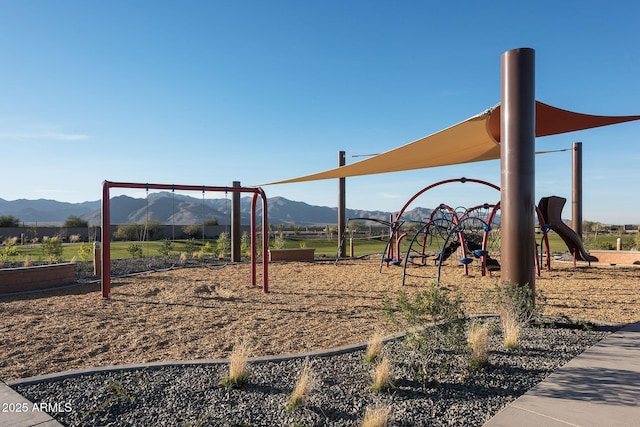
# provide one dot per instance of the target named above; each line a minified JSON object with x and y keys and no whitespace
{"x":551,"y":209}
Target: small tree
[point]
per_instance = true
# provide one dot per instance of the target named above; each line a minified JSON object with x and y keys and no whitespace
{"x":130,"y":232}
{"x":9,"y":221}
{"x":194,"y":231}
{"x":212,"y":221}
{"x":52,"y":247}
{"x":224,"y":243}
{"x":75,"y":221}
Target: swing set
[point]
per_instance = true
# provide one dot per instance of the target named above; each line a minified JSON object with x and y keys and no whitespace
{"x":105,"y":281}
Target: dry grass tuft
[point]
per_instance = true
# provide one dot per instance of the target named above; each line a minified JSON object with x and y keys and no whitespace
{"x":238,"y":366}
{"x":378,"y":416}
{"x":304,"y":387}
{"x":374,"y":348}
{"x":511,"y":331}
{"x":382,"y":377}
{"x":478,"y":340}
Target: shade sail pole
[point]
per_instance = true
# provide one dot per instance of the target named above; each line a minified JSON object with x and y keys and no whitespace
{"x":342,"y":208}
{"x":517,"y":167}
{"x":576,"y":190}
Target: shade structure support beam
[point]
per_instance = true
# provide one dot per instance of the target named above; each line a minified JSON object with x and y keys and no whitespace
{"x":576,"y":190}
{"x":342,"y":208}
{"x":517,"y":167}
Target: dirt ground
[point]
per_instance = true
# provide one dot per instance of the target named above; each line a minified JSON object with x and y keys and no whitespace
{"x":199,"y":313}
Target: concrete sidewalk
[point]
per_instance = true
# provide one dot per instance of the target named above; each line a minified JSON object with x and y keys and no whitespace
{"x":600,"y":387}
{"x":16,"y":411}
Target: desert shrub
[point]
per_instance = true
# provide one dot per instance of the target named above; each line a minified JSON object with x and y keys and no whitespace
{"x":208,"y":248}
{"x":165,"y":247}
{"x":85,"y":252}
{"x":278,"y":242}
{"x":135,"y":250}
{"x":435,"y":325}
{"x":52,"y":247}
{"x":223,"y":244}
{"x":517,"y":306}
{"x":189,"y":246}
{"x":9,"y":249}
{"x":521,"y":302}
{"x":245,"y":242}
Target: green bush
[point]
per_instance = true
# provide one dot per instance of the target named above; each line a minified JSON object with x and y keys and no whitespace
{"x":165,"y":247}
{"x":223,"y":243}
{"x":135,"y":250}
{"x":194,"y":231}
{"x":435,"y":325}
{"x":85,"y":252}
{"x":9,"y":250}
{"x":52,"y":248}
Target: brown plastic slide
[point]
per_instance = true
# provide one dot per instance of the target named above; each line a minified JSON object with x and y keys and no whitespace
{"x":551,"y":209}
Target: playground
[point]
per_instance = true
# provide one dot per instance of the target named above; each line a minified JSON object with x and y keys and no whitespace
{"x":199,"y":313}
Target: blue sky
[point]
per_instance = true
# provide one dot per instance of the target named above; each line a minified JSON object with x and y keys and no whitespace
{"x":208,"y":92}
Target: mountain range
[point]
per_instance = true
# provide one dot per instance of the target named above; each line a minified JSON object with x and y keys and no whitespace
{"x":170,"y":208}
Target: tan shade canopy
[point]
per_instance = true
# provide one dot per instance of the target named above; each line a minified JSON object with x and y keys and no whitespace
{"x":472,"y":140}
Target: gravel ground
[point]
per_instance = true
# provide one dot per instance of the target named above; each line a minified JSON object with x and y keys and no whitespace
{"x":191,"y":395}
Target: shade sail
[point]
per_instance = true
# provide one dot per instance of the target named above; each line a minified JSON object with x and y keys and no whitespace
{"x":472,"y":140}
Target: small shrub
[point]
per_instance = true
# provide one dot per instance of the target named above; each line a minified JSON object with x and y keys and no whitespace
{"x":478,"y":340}
{"x":238,"y":366}
{"x":374,"y":348}
{"x":52,"y":247}
{"x":189,"y":246}
{"x":382,"y":377}
{"x":378,"y":416}
{"x":519,"y":302}
{"x":304,"y":387}
{"x":278,"y":242}
{"x":165,"y":247}
{"x":135,"y":250}
{"x":245,"y":243}
{"x":9,"y":250}
{"x":208,"y":248}
{"x":223,"y":244}
{"x":85,"y":252}
{"x":435,"y":326}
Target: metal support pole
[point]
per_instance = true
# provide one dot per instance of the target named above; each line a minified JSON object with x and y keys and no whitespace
{"x":105,"y":279}
{"x":342,"y":209}
{"x":236,"y":255}
{"x":576,"y":190}
{"x":517,"y":167}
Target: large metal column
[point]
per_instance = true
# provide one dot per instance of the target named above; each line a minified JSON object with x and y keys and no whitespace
{"x":342,"y":208}
{"x":236,"y":255}
{"x":517,"y":167}
{"x":576,"y":189}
